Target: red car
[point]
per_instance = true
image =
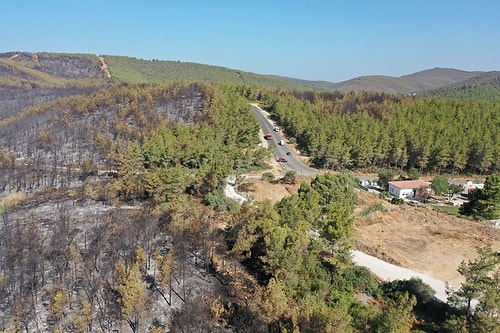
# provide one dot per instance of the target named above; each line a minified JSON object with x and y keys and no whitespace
{"x":282,"y":159}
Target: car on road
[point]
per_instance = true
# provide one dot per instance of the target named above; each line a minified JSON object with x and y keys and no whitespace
{"x":281,"y":160}
{"x":288,"y":153}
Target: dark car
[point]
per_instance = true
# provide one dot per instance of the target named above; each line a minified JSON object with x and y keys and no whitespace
{"x":282,"y":160}
{"x":288,"y":153}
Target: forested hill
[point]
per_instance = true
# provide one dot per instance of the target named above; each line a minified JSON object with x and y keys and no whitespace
{"x":114,"y":216}
{"x":485,"y":86}
{"x":50,"y":72}
{"x":133,"y":70}
{"x":28,"y":79}
{"x":417,"y":82}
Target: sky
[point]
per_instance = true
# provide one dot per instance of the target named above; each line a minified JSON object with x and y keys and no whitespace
{"x":330,"y":40}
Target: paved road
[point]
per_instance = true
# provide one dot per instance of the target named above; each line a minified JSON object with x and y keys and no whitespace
{"x":293,"y":161}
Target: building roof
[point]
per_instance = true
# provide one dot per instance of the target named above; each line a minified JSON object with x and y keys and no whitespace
{"x":413,"y":184}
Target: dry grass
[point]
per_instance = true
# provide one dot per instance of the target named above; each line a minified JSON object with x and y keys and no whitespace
{"x":11,"y":201}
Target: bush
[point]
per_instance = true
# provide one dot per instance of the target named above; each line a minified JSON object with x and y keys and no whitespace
{"x":268,"y":176}
{"x":219,"y":201}
{"x":414,"y":286}
{"x":289,"y":177}
{"x":11,"y":201}
{"x":377,"y":206}
{"x":362,"y":279}
{"x":397,"y":201}
{"x":384,"y":195}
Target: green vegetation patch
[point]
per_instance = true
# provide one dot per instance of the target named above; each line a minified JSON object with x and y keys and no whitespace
{"x":133,"y":70}
{"x":452,"y":210}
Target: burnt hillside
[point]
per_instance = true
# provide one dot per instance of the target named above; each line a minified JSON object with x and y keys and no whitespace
{"x":28,"y":79}
{"x":118,"y":183}
{"x":42,"y":146}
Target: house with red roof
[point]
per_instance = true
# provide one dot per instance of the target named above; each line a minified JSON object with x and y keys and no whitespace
{"x":409,"y":188}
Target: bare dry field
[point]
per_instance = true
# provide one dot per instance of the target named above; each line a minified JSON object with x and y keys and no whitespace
{"x":418,"y":238}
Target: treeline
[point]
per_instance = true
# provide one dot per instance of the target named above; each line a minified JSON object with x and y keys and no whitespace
{"x":476,"y":92}
{"x":370,"y":130}
{"x":194,"y":158}
{"x":133,"y":70}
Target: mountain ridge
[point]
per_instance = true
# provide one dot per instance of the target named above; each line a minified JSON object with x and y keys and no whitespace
{"x":428,"y":79}
{"x":25,"y":70}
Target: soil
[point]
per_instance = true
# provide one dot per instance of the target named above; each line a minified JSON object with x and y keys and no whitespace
{"x":418,"y":238}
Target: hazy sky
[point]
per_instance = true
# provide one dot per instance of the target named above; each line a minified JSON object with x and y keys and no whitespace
{"x":332,"y":40}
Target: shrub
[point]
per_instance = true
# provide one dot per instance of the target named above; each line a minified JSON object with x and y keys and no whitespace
{"x":289,"y":177}
{"x":414,"y":286}
{"x":377,"y":206}
{"x":384,"y":195}
{"x":397,"y":201}
{"x":219,"y":201}
{"x":268,"y":176}
{"x":11,"y":201}
{"x":362,"y":279}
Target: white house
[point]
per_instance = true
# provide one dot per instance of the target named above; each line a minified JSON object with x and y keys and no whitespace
{"x":409,"y":188}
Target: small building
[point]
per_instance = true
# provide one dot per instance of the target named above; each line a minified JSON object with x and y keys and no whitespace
{"x":470,"y":186}
{"x":368,"y":181}
{"x":409,"y":188}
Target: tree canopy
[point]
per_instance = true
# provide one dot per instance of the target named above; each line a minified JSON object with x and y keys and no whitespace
{"x":485,"y":202}
{"x":372,"y":130}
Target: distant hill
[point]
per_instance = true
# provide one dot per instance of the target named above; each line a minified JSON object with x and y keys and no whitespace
{"x":133,"y":70}
{"x":63,"y":73}
{"x":416,"y":82}
{"x":27,"y":79}
{"x":485,"y":86}
{"x":42,"y":70}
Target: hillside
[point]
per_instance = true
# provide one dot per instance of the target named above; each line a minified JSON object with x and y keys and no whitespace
{"x":484,"y":86}
{"x":416,"y":82}
{"x":114,"y":216}
{"x":419,"y":238}
{"x":62,"y":136}
{"x":77,"y":182}
{"x":42,"y":70}
{"x":27,"y":79}
{"x":25,"y":71}
{"x":133,"y":70}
